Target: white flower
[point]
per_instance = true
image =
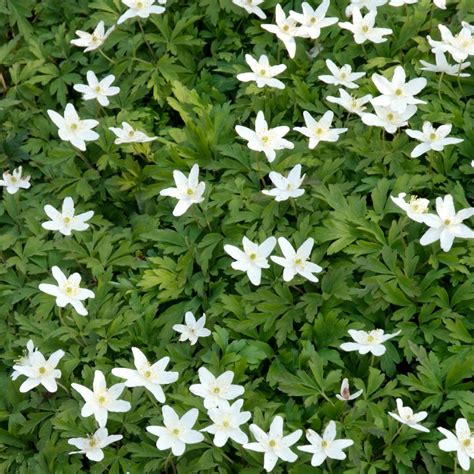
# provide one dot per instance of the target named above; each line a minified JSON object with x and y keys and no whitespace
{"x":296,"y":262}
{"x":177,"y":432}
{"x":432,"y":139}
{"x":407,"y":417}
{"x":370,"y":5}
{"x":462,"y":443}
{"x":72,"y":129}
{"x":415,"y":209}
{"x":152,"y":377}
{"x":65,"y":221}
{"x":447,"y":224}
{"x":345,"y":393}
{"x":440,"y":4}
{"x":312,"y":20}
{"x":285,"y":30}
{"x":253,"y":258}
{"x":265,"y":139}
{"x":192,"y":330}
{"x":460,"y":46}
{"x":262,"y":73}
{"x":399,"y":3}
{"x":38,"y":370}
{"x":140,"y":8}
{"x":363,"y":28}
{"x":215,"y":389}
{"x":286,"y":187}
{"x":388,"y":119}
{"x":127,"y":134}
{"x":352,"y":104}
{"x":92,"y":41}
{"x":95,"y":89}
{"x":67,"y":291}
{"x":342,"y":76}
{"x":365,"y":342}
{"x":226,"y":420}
{"x":24,"y":360}
{"x":274,"y":444}
{"x":319,"y":131}
{"x":188,"y":190}
{"x":14,"y":182}
{"x":398,"y":94}
{"x":443,"y":66}
{"x":100,"y":400}
{"x":251,"y":6}
{"x":327,"y":446}
{"x":92,"y":445}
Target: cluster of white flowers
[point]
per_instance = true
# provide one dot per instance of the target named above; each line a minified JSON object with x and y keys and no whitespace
{"x":393,"y":108}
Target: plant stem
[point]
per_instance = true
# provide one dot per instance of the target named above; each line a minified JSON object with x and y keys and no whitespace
{"x":62,"y":386}
{"x":107,"y":57}
{"x":146,"y":41}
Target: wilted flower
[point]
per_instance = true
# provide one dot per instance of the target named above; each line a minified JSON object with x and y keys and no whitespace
{"x":345,"y":394}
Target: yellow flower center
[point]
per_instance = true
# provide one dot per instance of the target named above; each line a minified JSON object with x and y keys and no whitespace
{"x":97,"y":89}
{"x":467,"y":442}
{"x":102,"y":400}
{"x":298,"y":261}
{"x":42,"y":370}
{"x":343,"y":75}
{"x":131,"y":133}
{"x":176,"y":431}
{"x":13,"y":179}
{"x":265,"y":139}
{"x":398,"y":92}
{"x":139,"y":4}
{"x":189,"y":192}
{"x":74,"y":126}
{"x":285,"y":28}
{"x":318,"y":131}
{"x":226,"y":424}
{"x":94,"y":39}
{"x":92,"y":442}
{"x":253,"y":256}
{"x":263,"y":72}
{"x":216,"y":390}
{"x":365,"y":28}
{"x":68,"y":290}
{"x":272,"y":443}
{"x":390,"y":117}
{"x":147,"y":374}
{"x":433,"y":136}
{"x":324,"y":444}
{"x":447,"y":221}
{"x":370,"y":339}
{"x":313,"y":20}
{"x":67,"y":220}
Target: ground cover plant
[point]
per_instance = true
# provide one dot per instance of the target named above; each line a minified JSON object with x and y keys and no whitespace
{"x":236,"y":236}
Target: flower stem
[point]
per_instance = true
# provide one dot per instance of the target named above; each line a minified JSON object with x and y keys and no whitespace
{"x":396,"y":434}
{"x":146,"y":41}
{"x":109,"y":59}
{"x":62,"y":386}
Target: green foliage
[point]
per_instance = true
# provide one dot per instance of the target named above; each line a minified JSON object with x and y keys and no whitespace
{"x":147,"y":267}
